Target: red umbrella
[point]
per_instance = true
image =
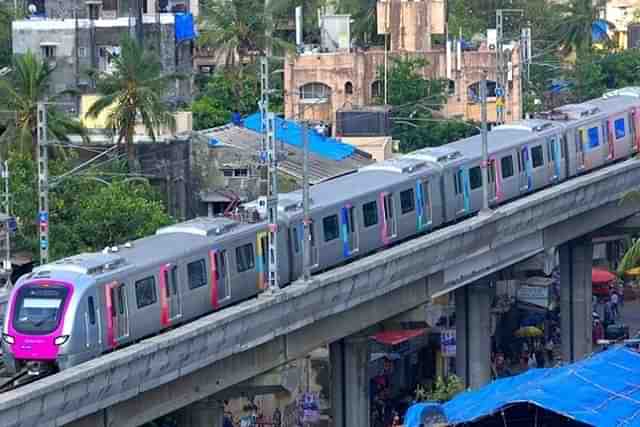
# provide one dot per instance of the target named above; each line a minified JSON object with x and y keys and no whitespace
{"x":600,"y":276}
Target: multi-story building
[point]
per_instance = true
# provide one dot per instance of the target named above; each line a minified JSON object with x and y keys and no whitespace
{"x":320,"y":81}
{"x":75,"y":36}
{"x":623,"y":14}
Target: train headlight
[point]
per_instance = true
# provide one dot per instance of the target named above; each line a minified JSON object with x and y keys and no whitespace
{"x":8,"y":339}
{"x":61,"y":339}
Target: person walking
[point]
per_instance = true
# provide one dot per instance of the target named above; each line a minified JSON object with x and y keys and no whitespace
{"x":615,"y":299}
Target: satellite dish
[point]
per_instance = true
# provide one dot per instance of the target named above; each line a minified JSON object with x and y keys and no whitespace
{"x":32,"y":9}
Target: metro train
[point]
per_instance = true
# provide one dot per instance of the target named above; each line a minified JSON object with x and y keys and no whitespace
{"x":73,"y":310}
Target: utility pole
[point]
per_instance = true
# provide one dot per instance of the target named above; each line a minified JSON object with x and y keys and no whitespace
{"x":485,"y":144}
{"x":502,"y":61}
{"x":386,"y":53}
{"x":306,"y":222}
{"x":43,"y":182}
{"x":269,"y":156}
{"x":7,"y":228}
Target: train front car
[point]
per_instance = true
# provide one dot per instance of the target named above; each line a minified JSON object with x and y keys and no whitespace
{"x":35,"y":330}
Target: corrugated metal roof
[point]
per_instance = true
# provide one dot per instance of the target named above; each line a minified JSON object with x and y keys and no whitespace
{"x":320,"y":168}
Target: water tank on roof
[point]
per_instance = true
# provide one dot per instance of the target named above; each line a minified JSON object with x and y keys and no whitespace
{"x":364,"y":122}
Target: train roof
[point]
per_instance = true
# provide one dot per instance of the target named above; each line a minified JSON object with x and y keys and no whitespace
{"x":169,"y":242}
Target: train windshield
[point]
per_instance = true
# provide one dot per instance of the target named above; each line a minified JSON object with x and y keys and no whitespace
{"x":38,"y":309}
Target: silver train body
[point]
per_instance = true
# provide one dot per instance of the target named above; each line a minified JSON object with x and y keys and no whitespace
{"x":78,"y":308}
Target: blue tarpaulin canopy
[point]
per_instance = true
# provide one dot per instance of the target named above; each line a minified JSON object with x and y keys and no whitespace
{"x":290,"y":132}
{"x":602,"y":391}
{"x":599,"y":29}
{"x":185,"y":30}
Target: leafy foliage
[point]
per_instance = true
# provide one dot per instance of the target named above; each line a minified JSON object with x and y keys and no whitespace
{"x":136,"y":87}
{"x":20,"y":91}
{"x":416,"y":101}
{"x":106,"y":214}
{"x":229,"y":90}
{"x":442,"y":390}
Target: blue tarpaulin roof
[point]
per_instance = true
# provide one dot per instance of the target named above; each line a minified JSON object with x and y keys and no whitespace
{"x":185,"y":30}
{"x":602,"y":391}
{"x":290,"y":132}
{"x":599,"y":29}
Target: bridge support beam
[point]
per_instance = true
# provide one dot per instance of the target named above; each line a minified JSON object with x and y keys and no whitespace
{"x":473,"y":334}
{"x":576,"y":258}
{"x":204,"y":413}
{"x":349,"y":359}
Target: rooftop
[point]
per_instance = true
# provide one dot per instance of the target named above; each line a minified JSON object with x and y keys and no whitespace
{"x":320,"y":168}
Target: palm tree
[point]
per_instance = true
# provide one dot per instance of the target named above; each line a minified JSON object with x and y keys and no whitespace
{"x":20,"y":91}
{"x":235,"y":30}
{"x":134,"y":89}
{"x":574,"y":28}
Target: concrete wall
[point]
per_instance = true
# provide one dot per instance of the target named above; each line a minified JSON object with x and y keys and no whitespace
{"x":380,"y":148}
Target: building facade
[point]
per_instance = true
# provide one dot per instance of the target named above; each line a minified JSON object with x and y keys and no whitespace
{"x":317,"y":83}
{"x":74,"y":46}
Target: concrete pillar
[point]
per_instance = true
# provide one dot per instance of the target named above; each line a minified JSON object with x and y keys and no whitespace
{"x":473,"y":334}
{"x":576,"y":258}
{"x":350,"y":381}
{"x":205,"y":413}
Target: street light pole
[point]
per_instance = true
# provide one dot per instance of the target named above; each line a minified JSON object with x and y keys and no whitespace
{"x":485,"y":144}
{"x":43,"y":182}
{"x":306,"y":237}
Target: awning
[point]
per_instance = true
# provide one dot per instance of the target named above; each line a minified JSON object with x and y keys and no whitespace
{"x":397,"y":337}
{"x":599,"y":275}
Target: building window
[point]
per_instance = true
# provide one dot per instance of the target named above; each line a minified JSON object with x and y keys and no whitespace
{"x":196,"y":272}
{"x":376,"y":89}
{"x":82,"y":52}
{"x":317,"y":92}
{"x":244,"y":257}
{"x":227,"y":172}
{"x":370,"y":213}
{"x":331,"y":228}
{"x":109,"y":4}
{"x":407,"y":202}
{"x":536,"y":156}
{"x":146,"y":291}
{"x":506,"y":165}
{"x":348,"y":88}
{"x":475,"y":177}
{"x":48,"y":52}
{"x":451,"y":88}
{"x":241,"y":172}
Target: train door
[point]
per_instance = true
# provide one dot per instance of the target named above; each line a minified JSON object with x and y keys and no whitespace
{"x":118,"y":321}
{"x":91,"y":324}
{"x":220,"y":283}
{"x":610,"y":137}
{"x":389,"y":224}
{"x":349,"y":230}
{"x":462,"y":190}
{"x":492,"y":178}
{"x":424,"y":206}
{"x":525,"y":169}
{"x":173,"y":293}
{"x":315,"y":256}
{"x":554,"y":155}
{"x":580,"y":137}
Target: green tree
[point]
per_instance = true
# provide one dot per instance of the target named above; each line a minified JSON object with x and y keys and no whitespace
{"x":235,"y":30}
{"x":575,"y":24}
{"x":106,"y":213}
{"x":135,"y":89}
{"x":363,"y":12}
{"x":443,"y":389}
{"x":416,"y":104}
{"x":20,"y":91}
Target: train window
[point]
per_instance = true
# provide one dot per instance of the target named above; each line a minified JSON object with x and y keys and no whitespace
{"x":331,"y":228}
{"x":121,"y":299}
{"x":196,"y":273}
{"x":537,"y":157}
{"x":506,"y":165}
{"x":475,"y":177}
{"x":563,"y":147}
{"x":370,"y":213}
{"x":244,"y":257}
{"x":594,"y":137}
{"x":619,"y":128}
{"x":457,"y":182}
{"x":92,"y":310}
{"x":407,"y":201}
{"x":295,"y":238}
{"x":146,"y":292}
{"x":351,"y":223}
{"x":520,"y":162}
